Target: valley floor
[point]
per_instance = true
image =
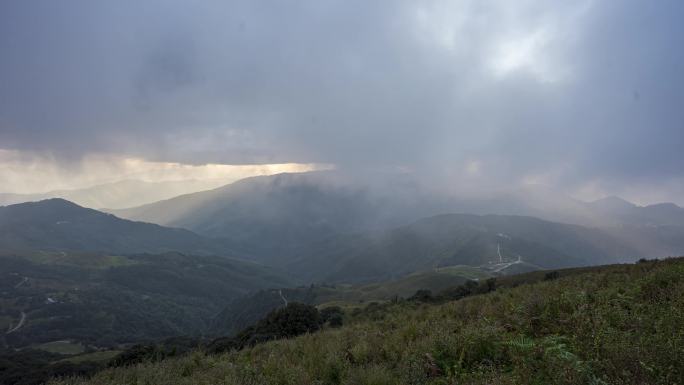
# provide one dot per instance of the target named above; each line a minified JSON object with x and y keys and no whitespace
{"x":621,"y":324}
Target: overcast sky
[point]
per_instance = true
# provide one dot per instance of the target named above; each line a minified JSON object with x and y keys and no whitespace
{"x":585,"y":96}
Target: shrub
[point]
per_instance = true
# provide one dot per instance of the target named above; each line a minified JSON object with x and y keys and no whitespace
{"x":551,"y":275}
{"x":290,"y":321}
{"x":422,"y":295}
{"x":332,"y":315}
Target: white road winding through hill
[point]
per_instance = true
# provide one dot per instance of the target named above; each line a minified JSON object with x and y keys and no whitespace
{"x":19,"y":325}
{"x":280,"y":292}
{"x":23,"y":281}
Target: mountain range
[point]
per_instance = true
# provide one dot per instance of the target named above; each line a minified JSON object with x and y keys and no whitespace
{"x":115,"y":195}
{"x":317,"y":224}
{"x":282,"y":219}
{"x":309,"y":246}
{"x":270,"y":218}
{"x":57,"y":225}
{"x":187,"y":264}
{"x":495,"y":242}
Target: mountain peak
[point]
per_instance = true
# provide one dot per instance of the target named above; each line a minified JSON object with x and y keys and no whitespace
{"x":46,"y":204}
{"x":664,"y":206}
{"x":46,"y":211}
{"x":58,"y":224}
{"x":57,"y":202}
{"x":613,"y":203}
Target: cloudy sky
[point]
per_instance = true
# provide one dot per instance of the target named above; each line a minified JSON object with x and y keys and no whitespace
{"x":584,"y":96}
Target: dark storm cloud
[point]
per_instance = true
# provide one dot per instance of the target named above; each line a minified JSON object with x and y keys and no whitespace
{"x":572,"y":91}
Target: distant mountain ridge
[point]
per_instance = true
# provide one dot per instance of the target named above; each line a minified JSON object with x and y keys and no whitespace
{"x":612,"y":203}
{"x":188,"y":210}
{"x":282,"y":219}
{"x":552,"y":205}
{"x":495,"y":242}
{"x":313,"y":249}
{"x":60,"y":225}
{"x":272,"y":217}
{"x":117,"y":195}
{"x":322,"y":229}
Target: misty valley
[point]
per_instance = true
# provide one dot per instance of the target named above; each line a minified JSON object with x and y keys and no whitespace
{"x":84,"y":290}
{"x":322,"y":192}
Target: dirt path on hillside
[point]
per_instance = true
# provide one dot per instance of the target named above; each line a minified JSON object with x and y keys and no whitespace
{"x":19,"y":325}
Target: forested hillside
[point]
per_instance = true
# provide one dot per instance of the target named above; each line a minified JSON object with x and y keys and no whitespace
{"x":103,"y":301}
{"x":57,"y":225}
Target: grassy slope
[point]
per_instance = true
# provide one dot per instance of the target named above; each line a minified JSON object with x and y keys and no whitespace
{"x":434,"y":280}
{"x":248,"y":310}
{"x":617,"y":325}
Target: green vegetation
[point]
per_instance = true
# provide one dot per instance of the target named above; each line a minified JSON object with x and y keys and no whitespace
{"x":169,"y":347}
{"x":101,"y":356}
{"x":293,"y":320}
{"x":61,"y":347}
{"x":621,"y":324}
{"x":55,"y":226}
{"x":80,"y":309}
{"x":79,"y":259}
{"x":319,"y":226}
{"x":34,"y":367}
{"x":500,"y":243}
{"x":330,"y":232}
{"x":464,"y":271}
{"x":101,"y":301}
{"x":248,"y":310}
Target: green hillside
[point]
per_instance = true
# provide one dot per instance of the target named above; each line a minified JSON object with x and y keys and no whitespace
{"x":324,"y":230}
{"x":103,"y":301}
{"x":57,"y":225}
{"x":457,"y":239}
{"x":249,"y":309}
{"x":621,"y":324}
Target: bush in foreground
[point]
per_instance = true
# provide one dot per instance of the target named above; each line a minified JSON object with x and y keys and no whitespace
{"x":293,"y":320}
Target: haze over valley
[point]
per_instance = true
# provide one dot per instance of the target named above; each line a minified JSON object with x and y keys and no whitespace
{"x":325,"y":192}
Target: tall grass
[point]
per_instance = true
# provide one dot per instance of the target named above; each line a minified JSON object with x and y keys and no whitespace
{"x":617,"y":325}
